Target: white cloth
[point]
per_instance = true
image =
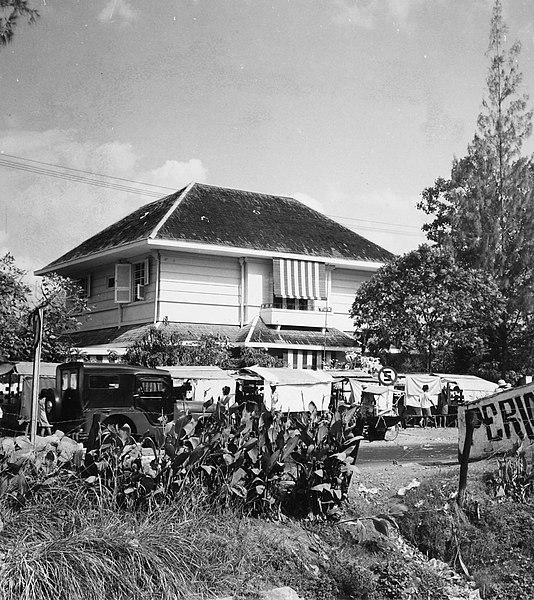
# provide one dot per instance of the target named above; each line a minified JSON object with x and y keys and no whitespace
{"x":414,"y":388}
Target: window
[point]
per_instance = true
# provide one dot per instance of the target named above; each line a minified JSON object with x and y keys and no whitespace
{"x":111,"y":282}
{"x":69,"y":379}
{"x":151,"y":387}
{"x":292,"y":303}
{"x":140,"y":279}
{"x":103,"y":382}
{"x":85,"y":284}
{"x":130,"y":279}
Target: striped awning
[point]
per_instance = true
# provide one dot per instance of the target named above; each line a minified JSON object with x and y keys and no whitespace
{"x":299,"y":279}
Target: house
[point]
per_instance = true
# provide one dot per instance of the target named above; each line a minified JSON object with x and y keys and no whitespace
{"x":265,"y":271}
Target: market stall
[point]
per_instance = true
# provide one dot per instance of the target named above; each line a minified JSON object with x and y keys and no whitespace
{"x":288,"y":390}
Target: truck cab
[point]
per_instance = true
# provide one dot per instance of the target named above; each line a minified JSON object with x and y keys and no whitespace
{"x":116,"y":394}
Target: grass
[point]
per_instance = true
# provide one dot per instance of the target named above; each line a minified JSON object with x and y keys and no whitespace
{"x":67,"y":543}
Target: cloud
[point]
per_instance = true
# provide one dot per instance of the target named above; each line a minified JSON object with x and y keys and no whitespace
{"x":368,"y":13}
{"x":118,"y":11}
{"x":173,"y":173}
{"x":42,"y":217}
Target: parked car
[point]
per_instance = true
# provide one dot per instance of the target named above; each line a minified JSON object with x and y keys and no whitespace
{"x":114,"y":394}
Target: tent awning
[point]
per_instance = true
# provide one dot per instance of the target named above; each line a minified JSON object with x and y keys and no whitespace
{"x":26,"y":368}
{"x":196,"y":372}
{"x":299,"y":279}
{"x":281,"y":376}
{"x":468,"y":382}
{"x":376,"y":389}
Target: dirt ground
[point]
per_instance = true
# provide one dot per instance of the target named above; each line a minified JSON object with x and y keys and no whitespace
{"x":379,"y":484}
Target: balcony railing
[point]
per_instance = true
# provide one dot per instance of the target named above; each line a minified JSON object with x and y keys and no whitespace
{"x":297,"y":316}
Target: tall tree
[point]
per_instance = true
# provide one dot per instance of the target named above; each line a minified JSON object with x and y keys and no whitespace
{"x":484,"y":214}
{"x":10,"y":13}
{"x":425,"y":303}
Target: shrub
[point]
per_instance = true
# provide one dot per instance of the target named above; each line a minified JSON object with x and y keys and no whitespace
{"x":257,"y":461}
{"x":514,"y":478}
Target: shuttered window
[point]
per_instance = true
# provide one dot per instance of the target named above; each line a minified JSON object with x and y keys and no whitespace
{"x":123,"y":283}
{"x":299,"y":279}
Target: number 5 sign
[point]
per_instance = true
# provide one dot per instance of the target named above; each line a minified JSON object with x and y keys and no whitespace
{"x":387,"y":376}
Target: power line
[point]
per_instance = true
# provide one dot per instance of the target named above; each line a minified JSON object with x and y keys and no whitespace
{"x":368,"y":221}
{"x":40,"y":162}
{"x":77,"y":178}
{"x":80,"y":176}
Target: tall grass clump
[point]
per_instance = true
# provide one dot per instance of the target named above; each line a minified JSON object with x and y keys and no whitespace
{"x":79,"y":551}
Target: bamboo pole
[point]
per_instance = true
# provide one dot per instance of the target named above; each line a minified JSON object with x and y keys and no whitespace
{"x":470,"y":418}
{"x":37,"y":344}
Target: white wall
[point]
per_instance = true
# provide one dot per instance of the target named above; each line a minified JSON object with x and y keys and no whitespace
{"x":344,"y":285}
{"x":199,"y":289}
{"x":258,"y":286}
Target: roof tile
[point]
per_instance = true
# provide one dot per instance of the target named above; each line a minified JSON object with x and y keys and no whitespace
{"x":236,"y":218}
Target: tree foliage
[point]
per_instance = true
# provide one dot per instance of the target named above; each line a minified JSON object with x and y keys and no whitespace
{"x":14,"y":308}
{"x":63,"y":304}
{"x":484,"y":213}
{"x":10,"y":13}
{"x":163,"y":347}
{"x":425,"y":303}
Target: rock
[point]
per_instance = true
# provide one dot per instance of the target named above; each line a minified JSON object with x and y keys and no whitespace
{"x":282,"y":593}
{"x":66,"y":449}
{"x":8,"y":446}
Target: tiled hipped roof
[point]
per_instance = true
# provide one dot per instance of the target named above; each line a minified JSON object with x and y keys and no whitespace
{"x":235,"y":218}
{"x":261,"y":334}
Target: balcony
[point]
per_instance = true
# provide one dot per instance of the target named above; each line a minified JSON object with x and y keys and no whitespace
{"x":272,"y":314}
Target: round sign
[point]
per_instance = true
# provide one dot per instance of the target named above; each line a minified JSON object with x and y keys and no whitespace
{"x":387,"y":376}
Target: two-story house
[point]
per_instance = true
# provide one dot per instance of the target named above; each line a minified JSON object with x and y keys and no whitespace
{"x":265,"y":271}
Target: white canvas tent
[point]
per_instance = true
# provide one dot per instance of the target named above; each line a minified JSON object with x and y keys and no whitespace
{"x":473,"y":387}
{"x":206,"y":382}
{"x":350,"y":384}
{"x":414,"y":383}
{"x":295,"y":388}
{"x":382,"y":398}
{"x":18,"y":380}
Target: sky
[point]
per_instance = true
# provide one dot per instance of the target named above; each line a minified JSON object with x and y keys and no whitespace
{"x":351,"y":106}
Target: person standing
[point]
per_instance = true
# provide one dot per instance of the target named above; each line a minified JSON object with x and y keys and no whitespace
{"x":426,"y":404}
{"x":44,"y":426}
{"x":226,"y":397}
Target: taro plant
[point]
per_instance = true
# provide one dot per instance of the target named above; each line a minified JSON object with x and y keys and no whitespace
{"x":514,"y":477}
{"x":262,"y":462}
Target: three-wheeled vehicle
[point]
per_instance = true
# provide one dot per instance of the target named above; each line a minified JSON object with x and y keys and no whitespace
{"x":198,"y":389}
{"x":377,"y":404}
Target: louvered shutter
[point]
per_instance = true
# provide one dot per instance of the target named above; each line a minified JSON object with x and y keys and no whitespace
{"x":147,"y":272}
{"x":123,"y":283}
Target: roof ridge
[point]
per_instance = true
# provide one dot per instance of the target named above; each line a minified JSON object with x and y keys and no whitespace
{"x":175,"y":204}
{"x":234,"y":189}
